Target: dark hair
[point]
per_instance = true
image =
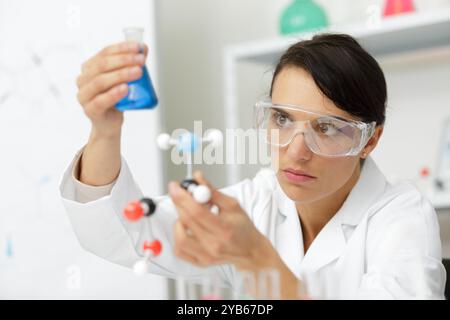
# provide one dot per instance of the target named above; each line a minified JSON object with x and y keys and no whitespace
{"x":346,"y":73}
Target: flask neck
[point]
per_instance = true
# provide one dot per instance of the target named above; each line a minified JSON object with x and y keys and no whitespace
{"x":134,"y":34}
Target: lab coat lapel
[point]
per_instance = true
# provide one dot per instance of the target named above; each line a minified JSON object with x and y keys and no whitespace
{"x":288,"y":235}
{"x":326,"y":247}
{"x":332,"y":239}
{"x":368,"y":189}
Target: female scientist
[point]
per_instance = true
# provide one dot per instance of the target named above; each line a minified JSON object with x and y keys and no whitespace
{"x":327,"y":220}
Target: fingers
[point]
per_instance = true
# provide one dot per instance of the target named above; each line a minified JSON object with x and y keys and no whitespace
{"x":194,"y":227}
{"x":145,"y":49}
{"x":104,"y":101}
{"x":105,"y":81}
{"x":110,"y":63}
{"x":120,"y":47}
{"x":198,"y":176}
{"x":220,"y":199}
{"x":194,"y":213}
{"x":224,"y":202}
{"x":180,"y":236}
{"x":188,"y":248}
{"x":124,"y":47}
{"x":113,"y":57}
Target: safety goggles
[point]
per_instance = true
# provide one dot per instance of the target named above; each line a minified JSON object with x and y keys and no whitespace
{"x":325,"y":135}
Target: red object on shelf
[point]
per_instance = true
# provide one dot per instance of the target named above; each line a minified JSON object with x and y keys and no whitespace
{"x":134,"y":211}
{"x":424,"y":172}
{"x":393,"y":7}
{"x":154,"y":246}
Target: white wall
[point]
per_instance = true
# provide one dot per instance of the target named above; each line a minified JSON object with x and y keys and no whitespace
{"x":40,"y":132}
{"x":418,"y":106}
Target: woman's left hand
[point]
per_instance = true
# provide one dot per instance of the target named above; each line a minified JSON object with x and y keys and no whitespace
{"x":206,"y":239}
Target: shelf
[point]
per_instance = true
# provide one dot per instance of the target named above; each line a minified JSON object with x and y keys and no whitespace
{"x":393,"y":35}
{"x":441,"y":201}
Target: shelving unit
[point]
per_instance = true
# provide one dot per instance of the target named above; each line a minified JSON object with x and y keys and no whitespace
{"x":441,"y":201}
{"x":394,"y":35}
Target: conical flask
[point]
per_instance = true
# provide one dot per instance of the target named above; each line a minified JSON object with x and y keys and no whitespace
{"x":141,"y":94}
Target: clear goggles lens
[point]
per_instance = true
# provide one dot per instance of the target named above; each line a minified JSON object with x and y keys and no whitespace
{"x":324,"y":135}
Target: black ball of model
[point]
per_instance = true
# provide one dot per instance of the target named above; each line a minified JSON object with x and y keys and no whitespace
{"x":201,"y":193}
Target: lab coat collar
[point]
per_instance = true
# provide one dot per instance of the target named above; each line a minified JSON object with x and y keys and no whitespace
{"x":368,"y":188}
{"x":330,"y":242}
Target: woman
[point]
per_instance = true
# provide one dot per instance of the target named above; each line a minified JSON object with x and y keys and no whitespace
{"x":326,"y":219}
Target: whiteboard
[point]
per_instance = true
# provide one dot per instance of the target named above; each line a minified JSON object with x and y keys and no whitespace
{"x":42,"y":46}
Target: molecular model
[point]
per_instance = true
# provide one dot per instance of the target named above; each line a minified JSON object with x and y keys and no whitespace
{"x":142,"y":210}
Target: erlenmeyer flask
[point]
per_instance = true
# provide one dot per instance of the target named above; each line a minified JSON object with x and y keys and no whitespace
{"x":141,"y":94}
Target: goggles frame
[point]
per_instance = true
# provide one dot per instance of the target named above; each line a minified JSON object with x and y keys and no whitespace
{"x":367,"y":129}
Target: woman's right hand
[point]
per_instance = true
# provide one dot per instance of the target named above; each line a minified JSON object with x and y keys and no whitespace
{"x":103,"y":83}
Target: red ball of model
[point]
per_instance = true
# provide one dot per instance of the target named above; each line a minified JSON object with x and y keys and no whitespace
{"x":134,"y":211}
{"x":155,"y":246}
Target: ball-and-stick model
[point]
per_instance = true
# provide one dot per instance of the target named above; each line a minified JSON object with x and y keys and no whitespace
{"x":144,"y":208}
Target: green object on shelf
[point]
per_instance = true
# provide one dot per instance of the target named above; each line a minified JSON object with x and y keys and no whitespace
{"x":301,"y":16}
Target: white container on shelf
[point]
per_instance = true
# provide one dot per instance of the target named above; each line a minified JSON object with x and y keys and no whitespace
{"x":426,"y":5}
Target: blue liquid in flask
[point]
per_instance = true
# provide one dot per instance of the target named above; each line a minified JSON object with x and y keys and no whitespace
{"x":141,"y":94}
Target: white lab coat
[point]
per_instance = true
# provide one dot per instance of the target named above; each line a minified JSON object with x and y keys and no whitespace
{"x":383,"y":243}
